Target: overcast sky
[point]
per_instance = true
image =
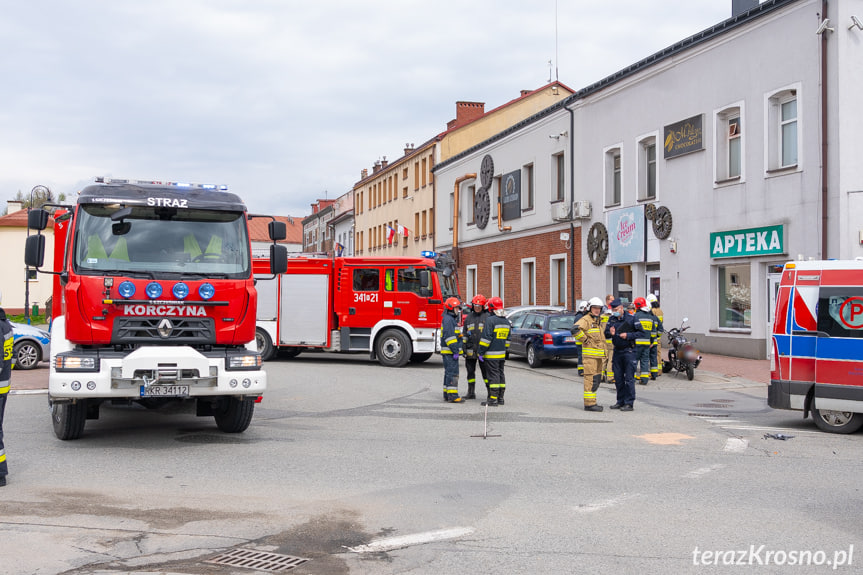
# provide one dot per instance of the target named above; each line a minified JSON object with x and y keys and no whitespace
{"x":282,"y":100}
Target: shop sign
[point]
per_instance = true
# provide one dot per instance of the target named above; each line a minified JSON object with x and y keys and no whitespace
{"x":683,"y":137}
{"x":511,"y":196}
{"x":749,"y":242}
{"x":627,"y":231}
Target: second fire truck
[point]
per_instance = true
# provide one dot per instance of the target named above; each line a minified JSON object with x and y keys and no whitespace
{"x":390,"y":308}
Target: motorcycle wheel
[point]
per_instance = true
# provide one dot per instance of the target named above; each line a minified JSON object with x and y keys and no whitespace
{"x":690,"y":372}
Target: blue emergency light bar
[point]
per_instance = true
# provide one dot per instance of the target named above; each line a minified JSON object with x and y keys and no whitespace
{"x":428,"y":254}
{"x":184,"y":185}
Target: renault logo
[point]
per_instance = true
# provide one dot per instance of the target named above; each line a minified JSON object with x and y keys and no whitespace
{"x":165,"y":327}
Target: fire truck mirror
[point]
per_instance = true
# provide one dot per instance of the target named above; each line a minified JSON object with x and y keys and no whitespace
{"x":278,"y":231}
{"x":278,"y":259}
{"x":120,"y":214}
{"x":121,"y":228}
{"x":425,"y":279}
{"x":34,"y":251}
{"x":37,"y":219}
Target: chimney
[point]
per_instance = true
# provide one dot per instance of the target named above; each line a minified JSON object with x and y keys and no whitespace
{"x":526,"y":92}
{"x":384,"y":162}
{"x":364,"y":174}
{"x":739,"y":7}
{"x":377,"y":167}
{"x":466,"y":112}
{"x":408,"y":149}
{"x":13,"y":206}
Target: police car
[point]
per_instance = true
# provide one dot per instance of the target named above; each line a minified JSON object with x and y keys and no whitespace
{"x":31,"y":345}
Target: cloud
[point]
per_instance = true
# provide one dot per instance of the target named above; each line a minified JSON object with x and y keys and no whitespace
{"x":285,"y":101}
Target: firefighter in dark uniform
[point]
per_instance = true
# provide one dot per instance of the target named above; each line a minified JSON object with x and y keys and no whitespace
{"x":493,"y":346}
{"x":450,"y":349}
{"x":5,"y":381}
{"x":471,"y":334}
{"x":644,"y":341}
{"x":656,"y":347}
{"x":623,"y":331}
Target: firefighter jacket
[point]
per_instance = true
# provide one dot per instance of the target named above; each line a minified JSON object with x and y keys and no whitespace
{"x":588,"y":331}
{"x":658,"y":327}
{"x":6,"y":366}
{"x":578,"y":316}
{"x":624,"y":324}
{"x":647,"y":321}
{"x":495,"y":337}
{"x":450,"y":334}
{"x":472,"y":331}
{"x":603,"y":324}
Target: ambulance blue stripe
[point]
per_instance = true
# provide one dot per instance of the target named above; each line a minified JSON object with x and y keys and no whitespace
{"x":846,"y":349}
{"x":803,"y":346}
{"x":783,"y":344}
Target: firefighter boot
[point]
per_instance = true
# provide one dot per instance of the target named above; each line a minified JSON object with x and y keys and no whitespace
{"x":500,"y":393}
{"x":471,"y":393}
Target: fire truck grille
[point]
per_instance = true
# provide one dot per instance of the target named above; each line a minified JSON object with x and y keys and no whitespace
{"x":186,"y":331}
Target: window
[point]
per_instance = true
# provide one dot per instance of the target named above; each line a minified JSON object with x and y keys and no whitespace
{"x":528,"y":282}
{"x":389,"y":279}
{"x":425,"y":232}
{"x":405,"y":174}
{"x":647,"y":169}
{"x":729,"y":144}
{"x":497,"y":280}
{"x":405,"y":192}
{"x":834,"y":317}
{"x":425,"y":171}
{"x":782,"y":130}
{"x":527,"y":187}
{"x":416,"y":175}
{"x":559,"y":166}
{"x":366,"y":280}
{"x":409,"y":281}
{"x":558,"y":280}
{"x":417,"y":226}
{"x":735,"y":296}
{"x":470,"y":288}
{"x":431,"y":221}
{"x":613,"y":177}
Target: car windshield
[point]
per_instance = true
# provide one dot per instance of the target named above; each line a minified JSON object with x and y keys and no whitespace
{"x":149,"y":240}
{"x":558,"y":322}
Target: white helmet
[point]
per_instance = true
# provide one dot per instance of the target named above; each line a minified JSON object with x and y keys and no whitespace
{"x":582,"y":306}
{"x":651,"y":298}
{"x":595,"y":302}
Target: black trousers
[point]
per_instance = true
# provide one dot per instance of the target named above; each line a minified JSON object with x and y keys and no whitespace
{"x":4,"y":470}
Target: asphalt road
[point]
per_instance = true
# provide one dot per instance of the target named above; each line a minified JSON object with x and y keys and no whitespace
{"x":362,"y":469}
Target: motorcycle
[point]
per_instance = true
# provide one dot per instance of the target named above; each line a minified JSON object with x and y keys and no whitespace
{"x":682,"y":355}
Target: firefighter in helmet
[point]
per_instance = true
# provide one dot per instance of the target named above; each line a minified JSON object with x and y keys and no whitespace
{"x":471,"y":334}
{"x":450,"y":349}
{"x":493,"y":346}
{"x":644,"y":341}
{"x":588,"y":330}
{"x":582,"y":311}
{"x":607,"y":369}
{"x":656,"y":346}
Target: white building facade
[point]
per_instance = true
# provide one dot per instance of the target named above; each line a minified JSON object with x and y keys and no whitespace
{"x":706,"y":166}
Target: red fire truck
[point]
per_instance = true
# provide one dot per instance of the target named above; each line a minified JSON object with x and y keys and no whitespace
{"x":154,"y":302}
{"x":817,"y":363}
{"x":390,"y":308}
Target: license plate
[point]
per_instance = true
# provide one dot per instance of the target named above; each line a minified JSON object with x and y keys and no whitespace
{"x":569,"y":339}
{"x":165,"y":391}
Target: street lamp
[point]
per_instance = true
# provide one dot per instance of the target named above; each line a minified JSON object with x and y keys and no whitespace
{"x":46,"y":192}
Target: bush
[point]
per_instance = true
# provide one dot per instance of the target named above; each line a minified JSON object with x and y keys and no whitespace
{"x":34,"y":319}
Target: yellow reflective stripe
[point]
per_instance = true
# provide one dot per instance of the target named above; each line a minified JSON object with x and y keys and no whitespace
{"x":5,"y":389}
{"x":446,"y":351}
{"x":580,"y":336}
{"x":642,"y":342}
{"x":450,"y":340}
{"x":495,"y":355}
{"x":593,"y":330}
{"x":592,"y":352}
{"x":590,"y":395}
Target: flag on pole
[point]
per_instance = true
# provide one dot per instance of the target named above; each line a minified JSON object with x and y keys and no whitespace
{"x":390,"y":234}
{"x":403,"y":231}
{"x":339,"y":249}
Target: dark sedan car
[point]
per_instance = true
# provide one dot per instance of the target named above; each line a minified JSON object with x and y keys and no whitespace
{"x":540,"y":334}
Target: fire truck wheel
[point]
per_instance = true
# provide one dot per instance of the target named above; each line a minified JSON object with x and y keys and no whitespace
{"x":837,"y":421}
{"x":234,"y":415}
{"x":265,"y":344}
{"x":420,"y":357}
{"x":69,"y":419}
{"x":393,"y":348}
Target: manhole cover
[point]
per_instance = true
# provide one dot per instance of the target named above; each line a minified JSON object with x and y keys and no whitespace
{"x":258,"y":560}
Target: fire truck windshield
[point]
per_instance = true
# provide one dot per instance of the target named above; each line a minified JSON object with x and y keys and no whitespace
{"x":448,"y":286}
{"x":156,"y":239}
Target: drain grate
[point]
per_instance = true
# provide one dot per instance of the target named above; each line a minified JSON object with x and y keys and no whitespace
{"x":711,"y":415}
{"x":258,"y":560}
{"x":713,"y":405}
{"x":722,"y":400}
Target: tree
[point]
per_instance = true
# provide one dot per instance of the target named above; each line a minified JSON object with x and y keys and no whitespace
{"x":41,"y":195}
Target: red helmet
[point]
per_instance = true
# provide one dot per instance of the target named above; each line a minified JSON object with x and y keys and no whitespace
{"x":478,"y":299}
{"x":452,"y":303}
{"x":640,"y":302}
{"x":494,"y":303}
